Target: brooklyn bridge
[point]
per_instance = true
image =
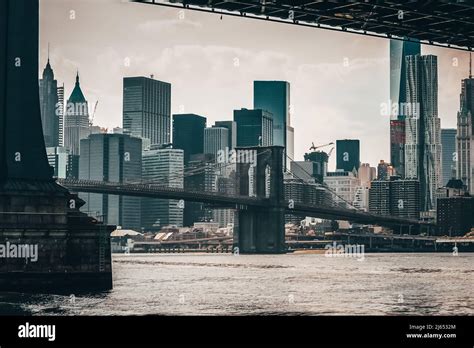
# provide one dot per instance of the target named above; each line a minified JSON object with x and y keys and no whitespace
{"x":74,"y":248}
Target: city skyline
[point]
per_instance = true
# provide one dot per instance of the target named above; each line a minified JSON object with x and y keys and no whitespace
{"x":311,"y":72}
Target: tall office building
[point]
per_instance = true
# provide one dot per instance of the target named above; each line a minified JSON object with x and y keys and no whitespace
{"x":165,"y":167}
{"x":76,"y":119}
{"x":395,"y":197}
{"x":448,"y":157}
{"x":232,"y":128}
{"x":188,"y":134}
{"x":147,"y":109}
{"x":397,"y":146}
{"x":384,"y":170}
{"x":215,"y":139}
{"x":59,"y":160}
{"x":274,"y":97}
{"x":348,"y":155}
{"x":465,"y":133}
{"x":60,"y":112}
{"x":254,"y":127}
{"x":48,"y":94}
{"x":112,"y":158}
{"x":398,"y":86}
{"x":422,"y":128}
{"x":366,"y":174}
{"x":344,"y":184}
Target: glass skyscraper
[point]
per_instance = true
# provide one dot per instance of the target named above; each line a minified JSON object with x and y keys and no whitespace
{"x":112,"y":158}
{"x":398,"y":51}
{"x":163,"y":167}
{"x":422,"y":128}
{"x":254,"y":127}
{"x":465,"y":134}
{"x":188,"y":134}
{"x":147,"y":109}
{"x":448,"y":160}
{"x":274,"y":97}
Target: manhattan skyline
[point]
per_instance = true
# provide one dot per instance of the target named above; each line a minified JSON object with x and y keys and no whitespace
{"x":211,"y":68}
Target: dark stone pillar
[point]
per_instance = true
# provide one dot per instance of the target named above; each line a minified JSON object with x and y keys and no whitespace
{"x":262,"y":230}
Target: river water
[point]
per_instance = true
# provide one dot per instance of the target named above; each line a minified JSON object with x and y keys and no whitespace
{"x":293,"y":284}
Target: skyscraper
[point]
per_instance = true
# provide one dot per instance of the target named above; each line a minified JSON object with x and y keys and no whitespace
{"x":164,"y":167}
{"x":188,"y":134}
{"x":232,"y":127}
{"x":112,"y":158}
{"x":76,"y":119}
{"x":348,"y":154}
{"x":60,"y":112}
{"x":254,"y":127}
{"x":274,"y":97}
{"x":448,"y":158}
{"x":147,"y":109}
{"x":215,"y":139}
{"x":465,"y":133}
{"x":398,"y":51}
{"x":48,"y":94}
{"x":422,"y":128}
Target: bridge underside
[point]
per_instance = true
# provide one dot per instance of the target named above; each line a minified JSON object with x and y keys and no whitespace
{"x":440,"y":23}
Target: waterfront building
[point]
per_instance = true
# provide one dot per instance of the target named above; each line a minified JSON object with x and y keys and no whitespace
{"x":163,"y":166}
{"x":395,"y":197}
{"x":112,"y":158}
{"x":147,"y":109}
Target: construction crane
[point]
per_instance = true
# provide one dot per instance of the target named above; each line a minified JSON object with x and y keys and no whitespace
{"x":313,"y":148}
{"x":330,"y":152}
{"x":91,"y":121}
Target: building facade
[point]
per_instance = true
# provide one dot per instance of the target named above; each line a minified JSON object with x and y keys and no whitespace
{"x":112,"y":158}
{"x":344,"y":184}
{"x":48,"y":94}
{"x":147,"y":109}
{"x":163,"y":167}
{"x":188,"y":134}
{"x":274,"y":97}
{"x":254,"y":127}
{"x":347,"y":155}
{"x":422,"y":128}
{"x":448,"y":157}
{"x":465,"y":135}
{"x":76,"y":120}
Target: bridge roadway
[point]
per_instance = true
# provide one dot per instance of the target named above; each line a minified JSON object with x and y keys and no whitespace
{"x":235,"y":201}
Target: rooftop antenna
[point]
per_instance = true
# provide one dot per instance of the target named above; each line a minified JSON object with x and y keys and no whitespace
{"x":48,"y":52}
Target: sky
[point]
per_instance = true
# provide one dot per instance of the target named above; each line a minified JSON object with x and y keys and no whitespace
{"x":339,"y":81}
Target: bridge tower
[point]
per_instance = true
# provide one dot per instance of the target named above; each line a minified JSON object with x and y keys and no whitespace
{"x":36,"y":213}
{"x":260,"y":174}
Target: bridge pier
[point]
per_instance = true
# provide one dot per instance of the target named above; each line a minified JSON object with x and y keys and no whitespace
{"x":261,"y":230}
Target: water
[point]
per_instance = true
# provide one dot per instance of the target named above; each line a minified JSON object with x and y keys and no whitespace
{"x":294,"y":284}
